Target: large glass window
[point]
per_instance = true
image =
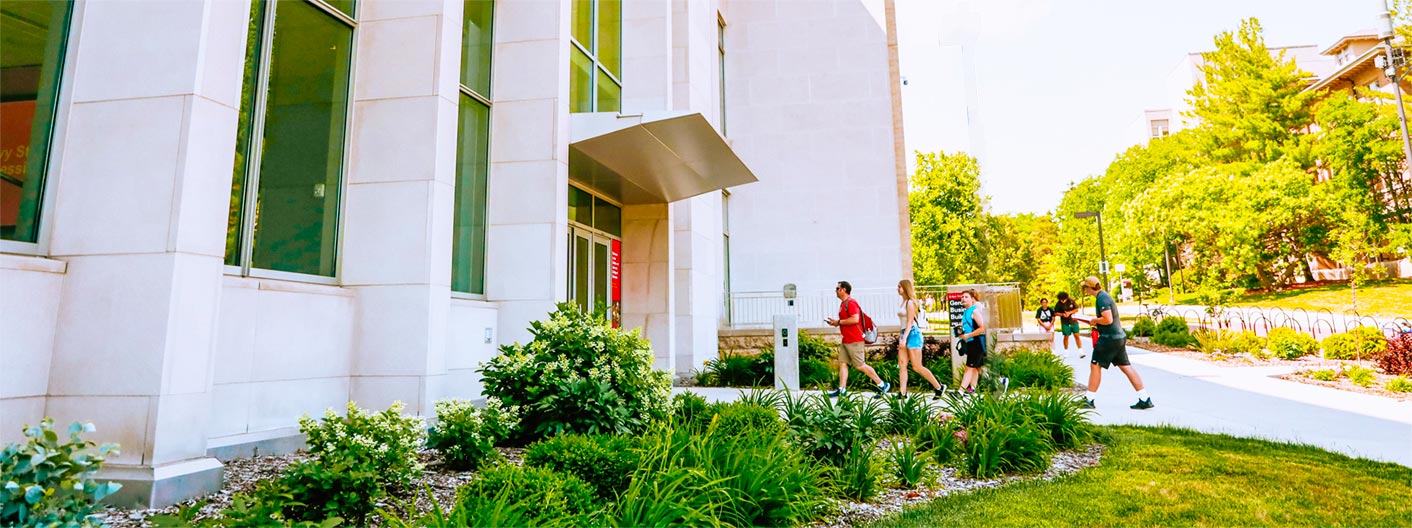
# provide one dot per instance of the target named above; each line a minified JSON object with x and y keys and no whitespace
{"x":290,"y":145}
{"x":33,"y":36}
{"x":596,"y":56}
{"x":472,"y":150}
{"x":721,"y":60}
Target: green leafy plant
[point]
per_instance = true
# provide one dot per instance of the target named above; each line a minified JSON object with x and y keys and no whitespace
{"x":1173,"y":332}
{"x":812,"y":347}
{"x":826,"y":429}
{"x":1364,"y":342}
{"x":579,"y":375}
{"x":244,"y":512}
{"x":816,"y":373}
{"x":768,"y":398}
{"x":1322,"y":374}
{"x":1229,"y":342}
{"x":738,"y":370}
{"x":604,"y":462}
{"x":686,"y":406}
{"x":528,"y":495}
{"x":907,"y":414}
{"x":910,"y":465}
{"x":857,"y":477}
{"x":1397,"y":359}
{"x":315,"y":491}
{"x":1399,"y":384}
{"x":995,"y":446}
{"x":1144,"y":327}
{"x":386,"y":442}
{"x":1062,"y":415}
{"x":1288,"y":343}
{"x":1033,"y":368}
{"x":740,"y":418}
{"x":941,"y":439}
{"x":49,"y":482}
{"x":1360,"y":376}
{"x":466,"y":436}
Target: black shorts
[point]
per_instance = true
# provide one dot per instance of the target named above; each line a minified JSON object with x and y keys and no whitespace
{"x":1110,"y":351}
{"x":975,"y":352}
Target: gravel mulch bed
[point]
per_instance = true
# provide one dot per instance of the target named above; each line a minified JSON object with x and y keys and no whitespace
{"x":949,"y":483}
{"x":1343,"y":384}
{"x":243,"y":475}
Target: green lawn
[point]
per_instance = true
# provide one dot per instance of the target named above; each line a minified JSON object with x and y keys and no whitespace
{"x":1164,"y":476}
{"x":1391,"y":298}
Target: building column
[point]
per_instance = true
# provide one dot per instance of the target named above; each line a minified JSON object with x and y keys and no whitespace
{"x":649,"y":300}
{"x":398,"y":212}
{"x":143,"y":186}
{"x":697,"y":272}
{"x":528,"y":189}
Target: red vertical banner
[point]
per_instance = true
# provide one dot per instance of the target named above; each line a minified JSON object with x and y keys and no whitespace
{"x":615,"y":277}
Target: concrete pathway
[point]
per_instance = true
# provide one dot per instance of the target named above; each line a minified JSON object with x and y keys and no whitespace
{"x":1240,"y":401}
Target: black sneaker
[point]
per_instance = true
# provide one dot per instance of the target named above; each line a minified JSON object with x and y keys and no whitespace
{"x":1142,"y":404}
{"x":1089,"y":404}
{"x":835,"y":393}
{"x":939,"y":393}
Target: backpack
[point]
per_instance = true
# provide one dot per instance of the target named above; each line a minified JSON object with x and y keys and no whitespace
{"x":870,"y":330}
{"x":922,"y":323}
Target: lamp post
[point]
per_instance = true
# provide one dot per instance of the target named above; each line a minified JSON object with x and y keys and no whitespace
{"x":1390,"y":67}
{"x":1102,"y":253}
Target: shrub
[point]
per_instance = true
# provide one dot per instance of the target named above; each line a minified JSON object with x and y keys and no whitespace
{"x":812,"y":347}
{"x":907,"y":414}
{"x":318,"y":490}
{"x":741,"y":418}
{"x":1397,"y":359}
{"x":532,"y":495}
{"x":816,"y":373}
{"x":579,"y":375}
{"x":1364,"y":342}
{"x":1173,"y":332}
{"x":1062,"y":415}
{"x":466,"y":436}
{"x":826,"y":429}
{"x":604,"y":462}
{"x":1289,"y":343}
{"x":1360,"y":376}
{"x":245,"y":512}
{"x":910,"y":465}
{"x":1039,"y":369}
{"x":1399,"y":384}
{"x":1229,"y":342}
{"x":385,"y":442}
{"x":1322,"y":374}
{"x":686,"y":406}
{"x":736,"y":370}
{"x":50,"y":483}
{"x":1144,"y":327}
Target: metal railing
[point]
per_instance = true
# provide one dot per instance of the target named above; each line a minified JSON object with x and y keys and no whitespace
{"x":756,"y":309}
{"x":1317,"y":323}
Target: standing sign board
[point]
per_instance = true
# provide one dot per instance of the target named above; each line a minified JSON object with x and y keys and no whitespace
{"x":615,"y":270}
{"x":954,"y":310}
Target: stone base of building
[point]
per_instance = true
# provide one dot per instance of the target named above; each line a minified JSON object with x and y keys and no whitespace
{"x":163,"y":486}
{"x":276,"y":442}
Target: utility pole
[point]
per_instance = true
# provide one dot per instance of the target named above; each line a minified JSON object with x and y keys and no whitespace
{"x":1391,"y":69}
{"x":1167,"y":259}
{"x":1102,"y":253}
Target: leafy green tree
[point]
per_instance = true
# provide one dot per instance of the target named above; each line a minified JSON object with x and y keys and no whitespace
{"x":948,"y":219}
{"x":1251,"y":103}
{"x":1019,"y":248}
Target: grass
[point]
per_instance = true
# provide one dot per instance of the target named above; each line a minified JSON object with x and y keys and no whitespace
{"x":1387,"y":298}
{"x":1166,"y":476}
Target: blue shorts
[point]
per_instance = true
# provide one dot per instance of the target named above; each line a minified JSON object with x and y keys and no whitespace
{"x":914,"y":337}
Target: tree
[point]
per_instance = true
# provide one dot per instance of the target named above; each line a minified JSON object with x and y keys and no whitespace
{"x":948,"y":219}
{"x":1252,"y":103}
{"x":1019,"y":246}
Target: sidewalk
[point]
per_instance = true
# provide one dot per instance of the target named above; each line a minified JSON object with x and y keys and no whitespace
{"x":1240,"y":401}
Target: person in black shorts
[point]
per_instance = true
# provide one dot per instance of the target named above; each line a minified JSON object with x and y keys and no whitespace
{"x":1067,"y":324}
{"x":971,"y":335}
{"x":1045,"y":316}
{"x":1111,"y":348}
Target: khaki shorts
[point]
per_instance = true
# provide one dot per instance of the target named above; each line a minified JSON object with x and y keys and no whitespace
{"x":851,"y":354}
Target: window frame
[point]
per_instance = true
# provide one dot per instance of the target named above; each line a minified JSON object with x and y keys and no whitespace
{"x":246,"y":267}
{"x":721,"y":73}
{"x":58,"y":136}
{"x":593,"y":58}
{"x":463,"y":90}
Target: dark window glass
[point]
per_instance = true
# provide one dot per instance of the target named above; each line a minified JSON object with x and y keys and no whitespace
{"x":580,"y":206}
{"x":476,"y":45}
{"x":32,"y":35}
{"x":607,"y":217}
{"x":244,"y":131}
{"x":468,"y":247}
{"x":610,"y":35}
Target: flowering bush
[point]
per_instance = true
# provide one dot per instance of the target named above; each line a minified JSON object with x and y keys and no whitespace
{"x":466,"y":436}
{"x":387,"y":442}
{"x":49,"y":483}
{"x":579,"y":375}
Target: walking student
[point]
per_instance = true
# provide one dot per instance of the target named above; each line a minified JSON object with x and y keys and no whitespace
{"x":1111,"y":347}
{"x":1065,"y":309}
{"x":851,"y":351}
{"x":909,"y":342}
{"x":1045,"y":316}
{"x":972,"y":338}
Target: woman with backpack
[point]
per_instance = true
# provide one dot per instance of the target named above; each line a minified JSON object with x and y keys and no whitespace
{"x":911,"y":319}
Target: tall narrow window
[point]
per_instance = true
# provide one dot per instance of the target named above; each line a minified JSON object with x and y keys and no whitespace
{"x":596,"y":56}
{"x":726,"y":251}
{"x":721,"y":59}
{"x":472,"y":150}
{"x":290,"y":142}
{"x":35,"y":34}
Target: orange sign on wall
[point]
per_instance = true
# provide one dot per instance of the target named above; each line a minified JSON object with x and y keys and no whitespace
{"x":16,"y":120}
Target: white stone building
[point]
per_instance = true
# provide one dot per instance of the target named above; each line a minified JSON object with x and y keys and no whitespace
{"x":219,"y":215}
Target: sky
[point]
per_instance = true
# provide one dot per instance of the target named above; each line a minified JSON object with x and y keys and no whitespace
{"x":1046,"y":92}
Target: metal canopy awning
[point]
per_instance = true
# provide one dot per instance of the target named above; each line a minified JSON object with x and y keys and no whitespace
{"x":652,"y":158}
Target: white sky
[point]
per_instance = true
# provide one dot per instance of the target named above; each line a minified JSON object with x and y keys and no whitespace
{"x":1055,"y":85}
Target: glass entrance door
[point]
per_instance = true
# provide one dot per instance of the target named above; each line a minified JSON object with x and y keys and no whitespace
{"x":593,"y":271}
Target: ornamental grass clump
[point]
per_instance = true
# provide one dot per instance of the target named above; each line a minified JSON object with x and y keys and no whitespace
{"x":1033,"y":368}
{"x":1360,"y":376}
{"x":48,"y":482}
{"x":579,"y":375}
{"x":466,"y":435}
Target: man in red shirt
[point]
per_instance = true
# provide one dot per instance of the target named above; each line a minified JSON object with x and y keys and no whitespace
{"x":851,"y":352}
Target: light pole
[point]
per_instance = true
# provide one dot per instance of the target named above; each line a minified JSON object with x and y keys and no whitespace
{"x":1390,"y":67}
{"x":1102,"y":253}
